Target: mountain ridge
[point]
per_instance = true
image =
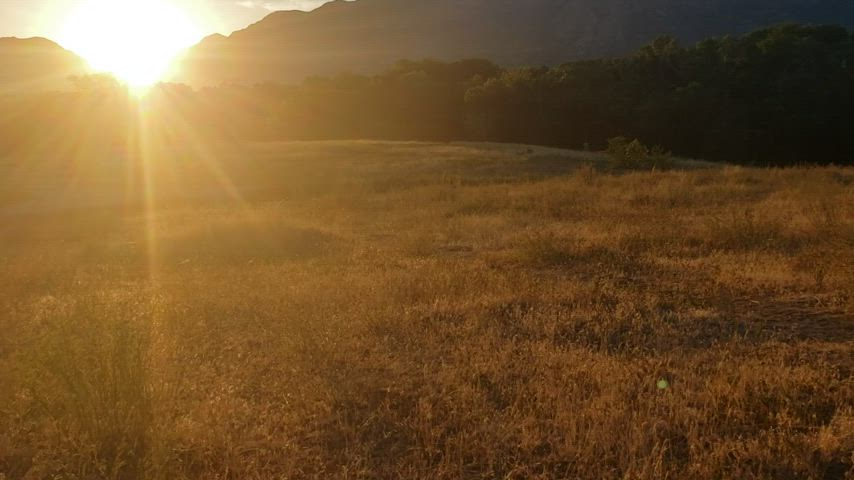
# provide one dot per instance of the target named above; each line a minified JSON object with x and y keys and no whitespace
{"x":365,"y":36}
{"x":37,"y":63}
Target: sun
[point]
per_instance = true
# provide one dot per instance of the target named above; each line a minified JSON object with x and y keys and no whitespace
{"x":135,"y":40}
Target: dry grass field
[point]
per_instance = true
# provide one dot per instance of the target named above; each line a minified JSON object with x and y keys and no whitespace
{"x":364,"y":310}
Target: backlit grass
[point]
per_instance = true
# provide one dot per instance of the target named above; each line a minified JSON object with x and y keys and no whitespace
{"x":401,"y":310}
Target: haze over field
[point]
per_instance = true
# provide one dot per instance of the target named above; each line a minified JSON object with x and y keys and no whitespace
{"x":580,"y":240}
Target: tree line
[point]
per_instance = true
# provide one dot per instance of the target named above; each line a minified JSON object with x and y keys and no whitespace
{"x":777,"y":96}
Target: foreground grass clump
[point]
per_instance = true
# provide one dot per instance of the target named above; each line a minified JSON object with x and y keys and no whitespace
{"x":394,"y":310}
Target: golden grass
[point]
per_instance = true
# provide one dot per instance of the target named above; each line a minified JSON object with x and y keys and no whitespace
{"x":404,"y":310}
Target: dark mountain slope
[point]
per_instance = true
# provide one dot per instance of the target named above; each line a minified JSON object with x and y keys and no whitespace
{"x":366,"y":35}
{"x":36,"y":64}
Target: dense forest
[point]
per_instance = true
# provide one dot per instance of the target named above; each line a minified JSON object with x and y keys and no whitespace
{"x":778,"y":96}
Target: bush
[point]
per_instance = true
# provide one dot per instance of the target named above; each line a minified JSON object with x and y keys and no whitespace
{"x":635,"y":155}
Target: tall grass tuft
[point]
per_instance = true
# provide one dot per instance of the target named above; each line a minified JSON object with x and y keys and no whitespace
{"x":88,"y":372}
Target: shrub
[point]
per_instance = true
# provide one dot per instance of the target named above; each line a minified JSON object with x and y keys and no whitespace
{"x":637,"y":156}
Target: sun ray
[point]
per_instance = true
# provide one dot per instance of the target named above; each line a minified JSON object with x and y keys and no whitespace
{"x":141,"y":133}
{"x":202,"y":149}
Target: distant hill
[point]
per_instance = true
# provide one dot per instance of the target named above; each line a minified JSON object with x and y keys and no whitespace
{"x":36,"y":64}
{"x":367,"y":35}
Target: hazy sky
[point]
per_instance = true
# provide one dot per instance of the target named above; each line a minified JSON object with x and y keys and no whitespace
{"x":44,"y":18}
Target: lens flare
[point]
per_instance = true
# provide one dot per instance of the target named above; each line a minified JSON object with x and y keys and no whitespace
{"x":136,"y":40}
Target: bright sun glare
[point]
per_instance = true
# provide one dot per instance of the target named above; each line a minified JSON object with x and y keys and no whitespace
{"x":136,"y":40}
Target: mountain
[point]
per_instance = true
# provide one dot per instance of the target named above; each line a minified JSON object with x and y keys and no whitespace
{"x":364,"y":36}
{"x":36,"y":64}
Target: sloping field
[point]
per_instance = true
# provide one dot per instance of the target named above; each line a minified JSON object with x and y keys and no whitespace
{"x":409,"y":310}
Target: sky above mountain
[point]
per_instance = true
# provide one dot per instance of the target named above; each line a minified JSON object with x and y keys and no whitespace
{"x":45,"y":18}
